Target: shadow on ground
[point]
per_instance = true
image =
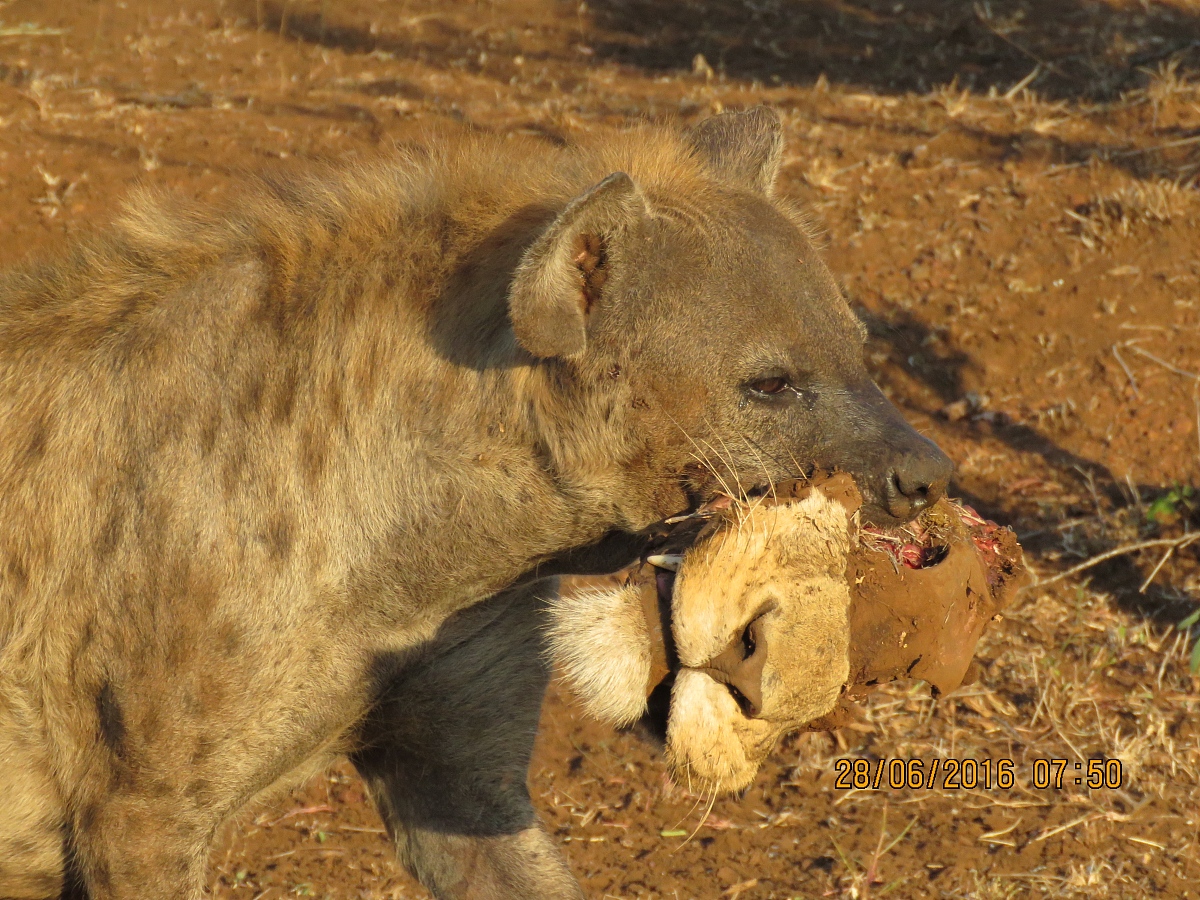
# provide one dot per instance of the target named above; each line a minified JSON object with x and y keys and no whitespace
{"x":1080,"y":51}
{"x":1063,"y":49}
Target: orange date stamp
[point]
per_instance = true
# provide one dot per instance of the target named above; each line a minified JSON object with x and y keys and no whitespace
{"x":951,"y":774}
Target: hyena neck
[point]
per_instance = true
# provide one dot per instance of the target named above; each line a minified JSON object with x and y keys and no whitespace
{"x":508,"y":480}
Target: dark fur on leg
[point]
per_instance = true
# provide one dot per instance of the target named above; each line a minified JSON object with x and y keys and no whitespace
{"x":446,"y":754}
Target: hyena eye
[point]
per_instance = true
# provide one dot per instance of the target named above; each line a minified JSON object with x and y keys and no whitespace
{"x":770,"y":386}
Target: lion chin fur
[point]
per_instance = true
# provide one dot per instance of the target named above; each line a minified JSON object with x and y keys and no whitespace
{"x":611,"y":685}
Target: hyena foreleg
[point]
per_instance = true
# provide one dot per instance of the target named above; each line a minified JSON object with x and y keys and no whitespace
{"x":446,"y":755}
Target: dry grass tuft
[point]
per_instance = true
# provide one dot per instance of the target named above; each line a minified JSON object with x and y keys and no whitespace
{"x":1124,"y":211}
{"x":1167,"y":83}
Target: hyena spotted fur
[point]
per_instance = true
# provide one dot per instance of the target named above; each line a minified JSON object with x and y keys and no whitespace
{"x":260,"y":465}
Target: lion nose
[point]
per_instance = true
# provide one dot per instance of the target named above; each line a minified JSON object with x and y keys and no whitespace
{"x":917,"y":481}
{"x":740,"y":666}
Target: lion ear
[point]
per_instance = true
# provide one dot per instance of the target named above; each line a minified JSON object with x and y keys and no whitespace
{"x":744,"y":148}
{"x":561,"y":277}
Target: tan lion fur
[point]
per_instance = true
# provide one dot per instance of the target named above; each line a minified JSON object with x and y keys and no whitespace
{"x":790,"y":560}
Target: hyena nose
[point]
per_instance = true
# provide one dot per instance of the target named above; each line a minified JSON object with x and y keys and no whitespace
{"x":917,"y":481}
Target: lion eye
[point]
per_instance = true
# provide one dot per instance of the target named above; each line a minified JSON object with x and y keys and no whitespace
{"x":770,"y":385}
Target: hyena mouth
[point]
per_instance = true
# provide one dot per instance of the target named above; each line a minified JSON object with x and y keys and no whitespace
{"x":709,"y":490}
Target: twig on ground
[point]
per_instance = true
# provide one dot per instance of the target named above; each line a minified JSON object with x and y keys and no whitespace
{"x":1090,"y":817}
{"x":28,"y":29}
{"x":1128,"y":373}
{"x":984,"y":18}
{"x":1173,"y":543}
{"x":1133,"y":491}
{"x":1162,"y":362}
{"x":1023,"y":83}
{"x":1182,"y":142}
{"x":1162,"y":562}
{"x":1196,"y":403}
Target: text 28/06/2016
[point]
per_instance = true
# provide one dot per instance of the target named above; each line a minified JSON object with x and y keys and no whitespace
{"x":859,"y":773}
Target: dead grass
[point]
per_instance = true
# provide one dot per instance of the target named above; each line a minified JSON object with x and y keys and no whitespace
{"x":1167,"y":83}
{"x":1127,"y":209}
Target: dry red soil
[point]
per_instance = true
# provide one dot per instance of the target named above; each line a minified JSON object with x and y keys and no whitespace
{"x":1009,"y":193}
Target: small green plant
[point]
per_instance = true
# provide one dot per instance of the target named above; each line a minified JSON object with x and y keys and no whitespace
{"x":1180,"y":500}
{"x":1194,"y":659}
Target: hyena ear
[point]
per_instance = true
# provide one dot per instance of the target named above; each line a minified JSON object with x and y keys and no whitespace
{"x":745,"y":148}
{"x":561,"y":277}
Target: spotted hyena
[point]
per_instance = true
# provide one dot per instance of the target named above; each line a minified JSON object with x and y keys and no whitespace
{"x":259,"y":465}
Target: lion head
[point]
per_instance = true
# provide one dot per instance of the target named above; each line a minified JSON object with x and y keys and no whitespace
{"x":766,"y":616}
{"x":758,"y":636}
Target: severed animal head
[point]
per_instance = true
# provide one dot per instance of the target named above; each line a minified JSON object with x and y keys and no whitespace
{"x":770,"y":616}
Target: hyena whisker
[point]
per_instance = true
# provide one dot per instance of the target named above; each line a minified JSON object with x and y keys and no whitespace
{"x":743,"y":497}
{"x":703,"y":457}
{"x":733,"y":491}
{"x":748,"y":504}
{"x":762,"y":464}
{"x":731,"y":462}
{"x":725,"y":488}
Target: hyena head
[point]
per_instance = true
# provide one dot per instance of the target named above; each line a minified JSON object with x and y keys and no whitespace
{"x":693,"y":311}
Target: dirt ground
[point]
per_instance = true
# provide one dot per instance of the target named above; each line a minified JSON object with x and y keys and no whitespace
{"x":1009,"y":193}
